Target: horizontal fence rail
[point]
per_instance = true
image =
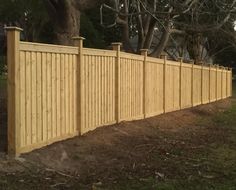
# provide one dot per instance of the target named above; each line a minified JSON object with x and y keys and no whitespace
{"x":58,"y":92}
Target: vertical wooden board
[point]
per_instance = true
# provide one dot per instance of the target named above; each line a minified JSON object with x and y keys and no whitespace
{"x":121,"y":89}
{"x":39,"y":97}
{"x":106,"y":89}
{"x":58,"y":94}
{"x":44,"y":96}
{"x":22,"y":99}
{"x":89,"y":92}
{"x":229,"y":83}
{"x":99,"y":91}
{"x":140,"y":86}
{"x":136,"y":92}
{"x":33,"y":94}
{"x":172,"y":87}
{"x":92,"y":93}
{"x":75,"y":98}
{"x":176,"y":87}
{"x":167,"y":87}
{"x":84,"y":113}
{"x":96,"y":91}
{"x":131,"y":64}
{"x":183,"y":87}
{"x":102,"y":92}
{"x":109,"y":90}
{"x":127,"y":90}
{"x":66,"y":94}
{"x":62,"y":92}
{"x":154,"y":102}
{"x":148,"y":64}
{"x":124,"y":84}
{"x":49,"y":96}
{"x":156,"y":95}
{"x":219,"y":84}
{"x":133,"y":110}
{"x":130,"y":89}
{"x":225,"y":83}
{"x":159,"y":84}
{"x":53,"y":90}
{"x":114,"y":88}
{"x":28,"y":99}
{"x":71,"y":93}
{"x":206,"y":85}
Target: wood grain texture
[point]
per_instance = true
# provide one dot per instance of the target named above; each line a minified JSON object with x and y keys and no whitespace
{"x":58,"y":92}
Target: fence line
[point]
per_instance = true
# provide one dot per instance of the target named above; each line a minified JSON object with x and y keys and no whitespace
{"x":58,"y":92}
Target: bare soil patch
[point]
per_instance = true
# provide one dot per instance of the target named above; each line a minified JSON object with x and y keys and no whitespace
{"x":154,"y":147}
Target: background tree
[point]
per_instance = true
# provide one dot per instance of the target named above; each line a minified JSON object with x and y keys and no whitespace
{"x":156,"y":23}
{"x":65,"y":16}
{"x":28,"y":14}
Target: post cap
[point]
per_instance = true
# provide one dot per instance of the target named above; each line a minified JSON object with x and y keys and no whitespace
{"x":78,"y":38}
{"x":143,"y":50}
{"x":180,"y":58}
{"x":191,"y":61}
{"x":116,"y":44}
{"x":11,"y":28}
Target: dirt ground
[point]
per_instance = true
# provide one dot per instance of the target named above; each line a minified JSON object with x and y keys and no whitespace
{"x":158,"y":149}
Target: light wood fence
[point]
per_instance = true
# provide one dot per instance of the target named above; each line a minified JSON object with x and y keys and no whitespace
{"x":58,"y":92}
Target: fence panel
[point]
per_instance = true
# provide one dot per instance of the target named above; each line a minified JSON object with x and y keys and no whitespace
{"x":224,"y":84}
{"x":206,"y":85}
{"x":154,"y":87}
{"x":58,"y":92}
{"x":99,"y":91}
{"x":186,"y":86}
{"x":197,"y":85}
{"x":213,"y":85}
{"x":48,"y":99}
{"x":131,"y":86}
{"x":172,"y":85}
{"x":219,"y":84}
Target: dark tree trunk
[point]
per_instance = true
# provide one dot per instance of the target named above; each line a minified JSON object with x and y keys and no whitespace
{"x":65,"y":15}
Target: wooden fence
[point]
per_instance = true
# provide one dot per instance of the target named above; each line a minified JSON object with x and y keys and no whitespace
{"x":58,"y":92}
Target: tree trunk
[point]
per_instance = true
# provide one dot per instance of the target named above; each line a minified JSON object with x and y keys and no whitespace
{"x":65,"y":15}
{"x":163,"y":41}
{"x":68,"y":26}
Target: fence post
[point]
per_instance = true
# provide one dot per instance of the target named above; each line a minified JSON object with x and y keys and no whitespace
{"x":231,"y":82}
{"x":180,"y":81}
{"x":13,"y":88}
{"x":226,"y":70}
{"x":222,"y":73}
{"x":217,"y":82}
{"x":192,"y":82}
{"x":144,"y":52}
{"x":116,"y":47}
{"x":209,"y":83}
{"x":164,"y":57}
{"x":78,"y":41}
{"x":202,"y":83}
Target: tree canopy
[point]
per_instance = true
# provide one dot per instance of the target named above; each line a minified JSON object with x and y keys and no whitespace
{"x":194,"y":29}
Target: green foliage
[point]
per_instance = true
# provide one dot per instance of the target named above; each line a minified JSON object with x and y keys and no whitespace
{"x":31,"y":15}
{"x":96,"y":35}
